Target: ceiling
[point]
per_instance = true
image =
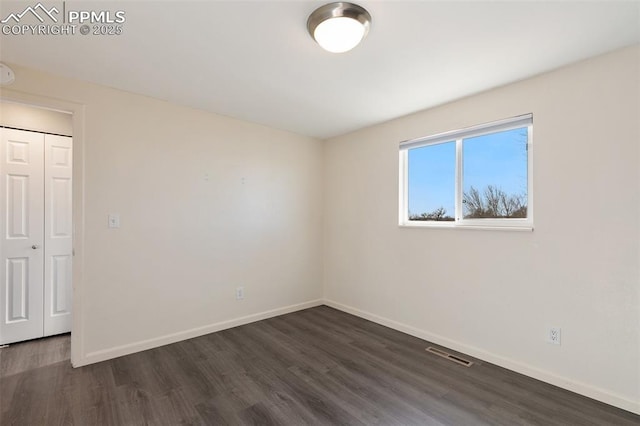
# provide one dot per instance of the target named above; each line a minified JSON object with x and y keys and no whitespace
{"x":254,"y":60}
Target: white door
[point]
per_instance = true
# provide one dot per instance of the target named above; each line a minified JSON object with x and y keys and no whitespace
{"x":57,"y":234}
{"x":35,"y":228}
{"x":22,"y":220}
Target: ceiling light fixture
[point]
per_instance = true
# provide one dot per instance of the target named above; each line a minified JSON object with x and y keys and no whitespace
{"x":339,"y":27}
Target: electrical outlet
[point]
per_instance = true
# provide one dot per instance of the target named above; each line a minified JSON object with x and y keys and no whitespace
{"x":554,"y":336}
{"x":239,"y":293}
{"x":114,"y":220}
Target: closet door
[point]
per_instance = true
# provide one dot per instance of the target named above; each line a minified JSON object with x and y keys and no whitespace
{"x":22,"y":235}
{"x":58,"y":234}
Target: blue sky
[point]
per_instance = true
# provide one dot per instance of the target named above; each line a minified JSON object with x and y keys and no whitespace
{"x":498,"y":159}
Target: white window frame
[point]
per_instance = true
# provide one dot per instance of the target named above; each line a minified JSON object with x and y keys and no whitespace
{"x":458,"y":136}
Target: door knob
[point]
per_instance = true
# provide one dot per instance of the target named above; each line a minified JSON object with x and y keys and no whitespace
{"x":35,"y":246}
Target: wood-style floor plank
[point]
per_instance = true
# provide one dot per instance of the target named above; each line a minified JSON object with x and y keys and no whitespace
{"x":319,"y":366}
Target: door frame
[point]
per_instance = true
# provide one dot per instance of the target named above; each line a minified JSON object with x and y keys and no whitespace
{"x":77,"y":112}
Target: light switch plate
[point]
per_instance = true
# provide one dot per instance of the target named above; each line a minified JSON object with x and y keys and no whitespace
{"x":114,"y":220}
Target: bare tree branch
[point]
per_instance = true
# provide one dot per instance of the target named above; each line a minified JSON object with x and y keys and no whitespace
{"x":493,"y":203}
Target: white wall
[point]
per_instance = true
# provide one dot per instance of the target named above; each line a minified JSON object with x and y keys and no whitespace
{"x":207,"y":203}
{"x":493,"y":294}
{"x":21,"y":116}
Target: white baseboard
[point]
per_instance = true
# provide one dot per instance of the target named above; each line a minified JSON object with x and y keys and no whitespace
{"x":118,"y":351}
{"x":510,"y":364}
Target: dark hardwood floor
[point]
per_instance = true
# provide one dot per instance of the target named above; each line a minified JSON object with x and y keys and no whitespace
{"x":318,"y":366}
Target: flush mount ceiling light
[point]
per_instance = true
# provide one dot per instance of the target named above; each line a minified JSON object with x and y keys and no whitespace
{"x":339,"y":27}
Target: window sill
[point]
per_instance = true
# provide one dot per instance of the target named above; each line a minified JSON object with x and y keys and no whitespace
{"x":480,"y":227}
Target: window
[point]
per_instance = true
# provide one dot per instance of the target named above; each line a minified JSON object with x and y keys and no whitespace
{"x":478,"y":176}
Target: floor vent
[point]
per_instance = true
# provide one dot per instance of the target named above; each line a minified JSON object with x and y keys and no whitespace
{"x":449,"y":356}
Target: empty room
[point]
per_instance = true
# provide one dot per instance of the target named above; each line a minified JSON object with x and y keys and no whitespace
{"x":320,"y":213}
